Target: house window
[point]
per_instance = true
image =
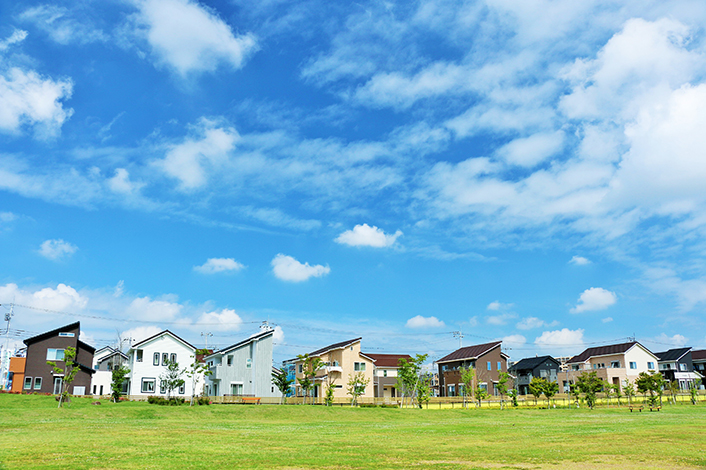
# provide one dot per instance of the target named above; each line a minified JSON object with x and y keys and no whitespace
{"x":633,"y":365}
{"x":66,"y":335}
{"x":55,"y":354}
{"x":182,"y":389}
{"x":139,"y":355}
{"x":490,"y":366}
{"x":37,"y":383}
{"x":162,"y":386}
{"x":155,"y":359}
{"x":148,"y":385}
{"x":28,"y":383}
{"x":301,"y":368}
{"x":248,"y":363}
{"x":651,"y":365}
{"x":500,"y":365}
{"x":483,"y":386}
{"x":165,"y":359}
{"x":452,"y":390}
{"x":615,"y":365}
{"x":682,"y":367}
{"x":359,"y":366}
{"x":230,"y":360}
{"x":384,"y":372}
{"x":172,"y":357}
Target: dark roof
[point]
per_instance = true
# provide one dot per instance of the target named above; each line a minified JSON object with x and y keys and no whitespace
{"x":470,"y":352}
{"x":87,"y":347}
{"x":698,"y":354}
{"x":532,"y":362}
{"x":340,"y":345}
{"x":604,"y":351}
{"x":387,"y":360}
{"x":246,"y":341}
{"x":672,"y":354}
{"x":51,"y":333}
{"x":159,"y":334}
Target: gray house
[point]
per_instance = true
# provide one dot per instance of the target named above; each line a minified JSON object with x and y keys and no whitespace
{"x":525,"y":370}
{"x":677,"y":364}
{"x":243,"y":369}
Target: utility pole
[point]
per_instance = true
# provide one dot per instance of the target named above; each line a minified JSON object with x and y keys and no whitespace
{"x":6,"y":369}
{"x":458,"y":334}
{"x":206,"y":335}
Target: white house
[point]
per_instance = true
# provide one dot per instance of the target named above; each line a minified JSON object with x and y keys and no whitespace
{"x":148,"y":359}
{"x":243,"y":369}
{"x":104,"y":361}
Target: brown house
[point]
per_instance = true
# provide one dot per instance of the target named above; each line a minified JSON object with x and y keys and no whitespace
{"x":487,"y":359}
{"x":50,"y":346}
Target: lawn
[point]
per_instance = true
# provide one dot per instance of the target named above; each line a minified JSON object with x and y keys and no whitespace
{"x":35,"y":434}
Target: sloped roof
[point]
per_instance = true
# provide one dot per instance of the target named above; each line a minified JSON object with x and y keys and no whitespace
{"x":672,"y":354}
{"x":49,"y":334}
{"x":699,"y":354}
{"x":470,"y":352}
{"x":160,"y":334}
{"x":244,"y":342}
{"x":387,"y":360}
{"x":532,"y":362}
{"x":330,"y":347}
{"x":604,"y":351}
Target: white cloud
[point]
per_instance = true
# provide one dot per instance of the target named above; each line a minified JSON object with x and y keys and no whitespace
{"x":579,"y":261}
{"x":61,"y":27}
{"x":57,"y":249}
{"x":530,"y":151}
{"x":424,"y":322}
{"x":365,"y":235}
{"x":530,"y":323}
{"x":499,"y":306}
{"x":17,"y":36}
{"x":595,"y":298}
{"x":676,"y":341}
{"x":120,"y":183}
{"x":140,"y":333}
{"x":144,"y":308}
{"x":289,"y":269}
{"x":226,"y":319}
{"x":607,"y":320}
{"x":62,"y":298}
{"x":189,"y":38}
{"x":560,"y":338}
{"x":219,"y":265}
{"x":191,"y":161}
{"x":501,"y":319}
{"x":514,"y":340}
{"x":278,"y":335}
{"x":29,"y":100}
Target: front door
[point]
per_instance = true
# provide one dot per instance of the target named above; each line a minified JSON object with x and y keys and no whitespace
{"x":57,"y":385}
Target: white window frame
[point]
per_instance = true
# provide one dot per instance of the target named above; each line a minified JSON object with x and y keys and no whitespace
{"x":173,"y":357}
{"x":37,"y":383}
{"x":155,"y":358}
{"x":633,"y":365}
{"x":28,"y":383}
{"x":650,"y":365}
{"x":359,"y":366}
{"x":147,"y":381}
{"x":53,"y":354}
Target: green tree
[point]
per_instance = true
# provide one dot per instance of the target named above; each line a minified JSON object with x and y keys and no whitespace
{"x":424,"y":390}
{"x":694,"y":391}
{"x":501,"y":387}
{"x":629,"y":390}
{"x":118,"y":378}
{"x":589,"y":384}
{"x":575,"y":392}
{"x":356,"y":386}
{"x":71,"y":368}
{"x":550,"y":389}
{"x":536,"y":387}
{"x":330,"y":388}
{"x":481,"y":394}
{"x":647,"y":383}
{"x":171,"y":378}
{"x":468,"y":376}
{"x":409,"y":373}
{"x":283,"y":384}
{"x":673,"y":390}
{"x":617,"y":392}
{"x":196,"y":371}
{"x":310,"y":367}
{"x":513,"y":396}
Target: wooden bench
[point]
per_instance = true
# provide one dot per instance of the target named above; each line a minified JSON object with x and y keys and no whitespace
{"x":250,"y":401}
{"x":638,"y":408}
{"x":655,"y":408}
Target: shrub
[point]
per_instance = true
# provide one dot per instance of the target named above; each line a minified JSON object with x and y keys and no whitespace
{"x":174,"y":401}
{"x":367,"y":405}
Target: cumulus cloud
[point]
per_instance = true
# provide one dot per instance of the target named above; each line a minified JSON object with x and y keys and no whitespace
{"x":365,"y":235}
{"x":560,"y":338}
{"x":532,"y":150}
{"x":514,"y":340}
{"x":144,"y":308}
{"x":226,"y":319}
{"x":219,"y":265}
{"x":289,"y":269}
{"x":189,"y":38}
{"x":499,"y":306}
{"x":57,"y":249}
{"x":594,"y":298}
{"x":424,"y":322}
{"x":530,"y":323}
{"x":501,"y":319}
{"x":579,"y":261}
{"x":120,"y":183}
{"x":61,"y":298}
{"x":140,"y":333}
{"x":675,"y":341}
{"x":278,"y":335}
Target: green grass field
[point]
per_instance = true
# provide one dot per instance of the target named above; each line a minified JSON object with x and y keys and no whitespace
{"x":35,"y":434}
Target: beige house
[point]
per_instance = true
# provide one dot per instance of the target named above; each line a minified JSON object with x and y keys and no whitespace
{"x":615,"y":363}
{"x":341,"y":361}
{"x":385,"y":373}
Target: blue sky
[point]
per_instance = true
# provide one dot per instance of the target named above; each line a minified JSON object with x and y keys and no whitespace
{"x":527,"y":171}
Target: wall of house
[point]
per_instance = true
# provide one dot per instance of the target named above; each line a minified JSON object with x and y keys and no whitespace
{"x":146,"y":370}
{"x":452,"y":375}
{"x":346,"y":358}
{"x":251,"y":367}
{"x":17,"y":368}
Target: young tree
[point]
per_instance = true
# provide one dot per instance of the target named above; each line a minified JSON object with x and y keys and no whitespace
{"x":673,"y":390}
{"x":629,"y":389}
{"x":330,"y":388}
{"x":409,"y":374}
{"x":69,"y":372}
{"x":118,"y":378}
{"x":283,"y":384}
{"x":310,"y":367}
{"x":536,"y":387}
{"x":171,"y":377}
{"x":652,"y":384}
{"x":513,"y":396}
{"x":589,"y":384}
{"x":617,"y":392}
{"x":576,"y":393}
{"x":694,"y":391}
{"x":196,"y":371}
{"x":550,"y":389}
{"x":356,"y":386}
{"x":660,"y":383}
{"x":481,"y":394}
{"x":424,"y":390}
{"x":502,"y":387}
{"x":468,"y":375}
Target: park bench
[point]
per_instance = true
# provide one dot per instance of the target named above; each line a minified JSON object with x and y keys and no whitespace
{"x":637,"y":407}
{"x":655,"y":408}
{"x":250,"y":401}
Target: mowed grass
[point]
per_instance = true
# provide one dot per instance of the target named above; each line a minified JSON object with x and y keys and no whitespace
{"x":136,"y":435}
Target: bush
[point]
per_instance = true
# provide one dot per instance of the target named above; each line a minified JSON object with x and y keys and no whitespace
{"x":367,"y":405}
{"x":203,"y":401}
{"x":174,"y":401}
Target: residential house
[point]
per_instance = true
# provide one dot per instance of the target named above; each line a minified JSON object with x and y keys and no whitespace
{"x":105,"y":360}
{"x":487,"y":359}
{"x":614,"y":363}
{"x":290,"y":367}
{"x":677,"y":364}
{"x":243,"y":369}
{"x":51,"y":346}
{"x":545,"y":367}
{"x":385,"y":369}
{"x":148,"y":360}
{"x":698,"y":358}
{"x":341,"y":361}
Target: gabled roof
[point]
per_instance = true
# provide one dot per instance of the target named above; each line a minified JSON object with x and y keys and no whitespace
{"x":112,"y":354}
{"x":254,"y":337}
{"x":532,"y":362}
{"x":470,"y":352}
{"x":49,"y":334}
{"x":161,"y":333}
{"x":331,"y":347}
{"x":387,"y":360}
{"x":672,"y":354}
{"x":605,"y":351}
{"x":699,"y":354}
